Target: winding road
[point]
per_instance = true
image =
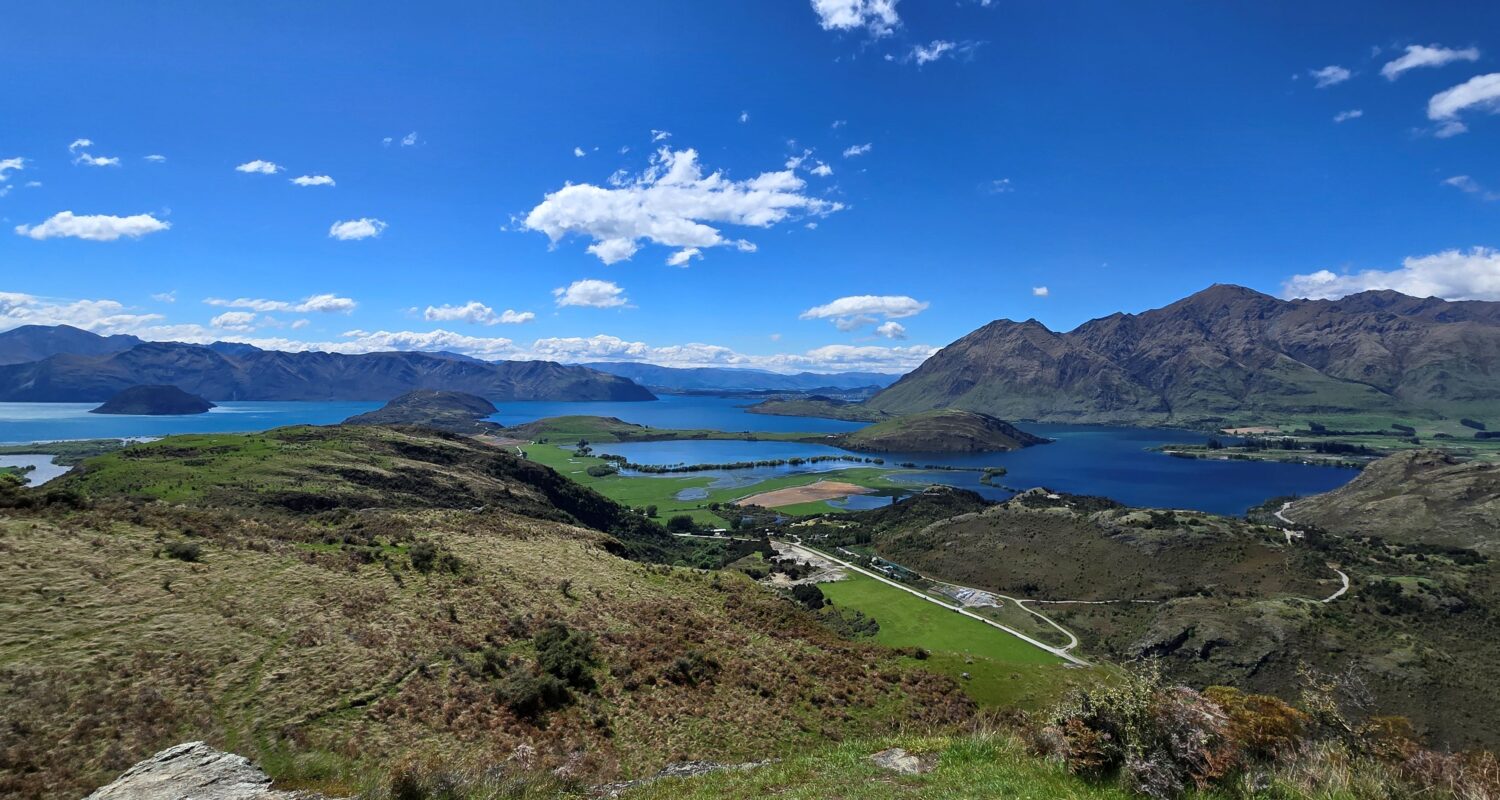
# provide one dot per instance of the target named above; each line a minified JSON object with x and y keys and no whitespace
{"x":1291,"y":533}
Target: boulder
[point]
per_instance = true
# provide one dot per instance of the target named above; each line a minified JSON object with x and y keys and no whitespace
{"x":194,"y":771}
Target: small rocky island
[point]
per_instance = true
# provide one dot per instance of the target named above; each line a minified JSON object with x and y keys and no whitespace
{"x":456,"y":412}
{"x":948,"y":430}
{"x":154,"y":401}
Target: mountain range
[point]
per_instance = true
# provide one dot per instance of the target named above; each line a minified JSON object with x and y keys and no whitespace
{"x":732,"y":379}
{"x":1225,"y":353}
{"x":228,"y":371}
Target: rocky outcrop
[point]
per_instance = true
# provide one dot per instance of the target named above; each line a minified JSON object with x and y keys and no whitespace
{"x":195,"y":771}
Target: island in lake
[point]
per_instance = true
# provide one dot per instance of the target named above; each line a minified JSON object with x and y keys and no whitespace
{"x":456,"y":412}
{"x":154,"y":401}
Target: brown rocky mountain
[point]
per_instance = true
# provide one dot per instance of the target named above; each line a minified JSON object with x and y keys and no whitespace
{"x":1225,"y":353}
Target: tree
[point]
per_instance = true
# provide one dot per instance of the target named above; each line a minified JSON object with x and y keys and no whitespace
{"x":809,"y":595}
{"x":651,"y":511}
{"x":681,"y":523}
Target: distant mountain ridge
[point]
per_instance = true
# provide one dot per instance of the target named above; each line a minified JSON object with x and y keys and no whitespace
{"x":732,"y":379}
{"x":36,"y":342}
{"x":1224,"y":353}
{"x":227,"y":371}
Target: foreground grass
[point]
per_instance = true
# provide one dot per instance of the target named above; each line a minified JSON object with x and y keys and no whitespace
{"x":967,"y":767}
{"x":1003,"y":671}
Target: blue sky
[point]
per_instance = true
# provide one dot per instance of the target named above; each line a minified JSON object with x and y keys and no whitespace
{"x":844,"y":183}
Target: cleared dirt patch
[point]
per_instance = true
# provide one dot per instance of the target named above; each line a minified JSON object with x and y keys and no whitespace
{"x":822,"y":490}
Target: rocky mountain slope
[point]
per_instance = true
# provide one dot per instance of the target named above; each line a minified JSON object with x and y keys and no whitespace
{"x":1418,"y":496}
{"x":1226,"y":353}
{"x":942,"y":431}
{"x":729,"y":379}
{"x":153,"y":401}
{"x":241,"y":373}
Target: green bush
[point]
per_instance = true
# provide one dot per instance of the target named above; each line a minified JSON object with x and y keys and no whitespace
{"x":530,"y":694}
{"x":184,"y":551}
{"x":601,"y":470}
{"x":809,"y":595}
{"x":681,"y":523}
{"x":567,"y":655}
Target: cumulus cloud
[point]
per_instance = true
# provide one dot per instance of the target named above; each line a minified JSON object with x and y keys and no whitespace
{"x":1452,"y":275}
{"x":1040,"y":291}
{"x":878,"y":17}
{"x":1345,"y":116}
{"x":591,"y":293}
{"x":93,"y":227}
{"x":100,"y":316}
{"x":259,"y":167}
{"x":314,"y":180}
{"x":96,"y":161}
{"x":321,"y":303}
{"x":409,"y":140}
{"x":891,"y":329}
{"x":1466,"y":184}
{"x":867,"y":305}
{"x":234,"y":321}
{"x":682,"y":257}
{"x":9,"y":165}
{"x":79,"y":144}
{"x":477,"y":313}
{"x":578,"y":152}
{"x":828,"y":358}
{"x":1331,"y":75}
{"x":354,"y":229}
{"x":1426,"y":56}
{"x":671,"y":204}
{"x":857,"y":150}
{"x":822,"y":171}
{"x":1481,"y":92}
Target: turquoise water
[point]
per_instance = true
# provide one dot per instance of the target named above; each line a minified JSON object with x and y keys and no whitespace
{"x":1114,"y":462}
{"x":44,"y":422}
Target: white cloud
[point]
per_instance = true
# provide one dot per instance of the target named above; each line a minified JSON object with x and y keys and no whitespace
{"x":155,"y":158}
{"x":165,"y":297}
{"x":1426,"y":56}
{"x":314,"y":180}
{"x":891,"y":329}
{"x":1040,"y":291}
{"x":744,"y":117}
{"x":409,"y":139}
{"x":869,"y":306}
{"x":387,"y":141}
{"x":928,"y":53}
{"x":1330,"y":75}
{"x":101,"y":316}
{"x":96,"y":161}
{"x":94,"y":227}
{"x":354,"y":229}
{"x":8,"y":165}
{"x":822,"y":170}
{"x":33,"y":184}
{"x":591,"y":293}
{"x":1451,"y":275}
{"x":839,"y":123}
{"x":299,"y":324}
{"x":322,"y":303}
{"x":1464,"y":183}
{"x":79,"y":144}
{"x":1479,"y":92}
{"x":671,"y":204}
{"x":857,"y":150}
{"x":683,"y":256}
{"x":578,"y":152}
{"x":999,"y":186}
{"x":658,"y":136}
{"x":476,"y":313}
{"x":235,"y":321}
{"x":834,"y":357}
{"x":876,"y":16}
{"x":1345,"y":116}
{"x":259,"y":167}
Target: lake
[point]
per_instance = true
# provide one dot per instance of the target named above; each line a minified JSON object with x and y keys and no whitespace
{"x":42,"y":468}
{"x":1114,"y":462}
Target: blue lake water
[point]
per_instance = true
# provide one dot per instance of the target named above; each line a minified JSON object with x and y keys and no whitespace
{"x":45,"y":422}
{"x":1114,"y":462}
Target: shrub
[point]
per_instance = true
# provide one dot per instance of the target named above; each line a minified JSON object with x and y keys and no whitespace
{"x":601,"y":470}
{"x":1261,"y":726}
{"x":809,"y":595}
{"x":530,"y":694}
{"x":1472,"y":423}
{"x":692,"y":668}
{"x":423,"y":556}
{"x":680,"y":523}
{"x":651,"y":511}
{"x":566,"y":655}
{"x":184,"y":551}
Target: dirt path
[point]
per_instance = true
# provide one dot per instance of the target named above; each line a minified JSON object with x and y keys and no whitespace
{"x":1280,"y":514}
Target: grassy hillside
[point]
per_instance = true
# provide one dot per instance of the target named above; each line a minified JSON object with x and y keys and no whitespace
{"x":190,"y":589}
{"x":940,"y":431}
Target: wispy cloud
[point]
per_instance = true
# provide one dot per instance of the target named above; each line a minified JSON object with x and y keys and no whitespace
{"x":1331,"y":75}
{"x":314,"y":180}
{"x":93,"y":227}
{"x":1481,"y":92}
{"x":319,"y":303}
{"x":1345,"y":116}
{"x":877,"y":17}
{"x":155,"y":158}
{"x":1426,"y":56}
{"x":858,"y":150}
{"x":1468,"y":185}
{"x":9,"y":165}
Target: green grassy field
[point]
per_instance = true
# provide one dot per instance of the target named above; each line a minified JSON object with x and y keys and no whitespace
{"x":1002,"y":669}
{"x":662,"y":491}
